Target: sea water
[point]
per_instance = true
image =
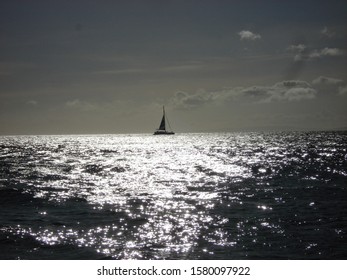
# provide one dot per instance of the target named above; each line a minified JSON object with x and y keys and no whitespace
{"x":183,"y":196}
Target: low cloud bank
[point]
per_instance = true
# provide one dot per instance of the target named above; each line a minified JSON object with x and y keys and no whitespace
{"x":285,"y":91}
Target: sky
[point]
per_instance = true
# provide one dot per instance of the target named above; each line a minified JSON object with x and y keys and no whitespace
{"x":81,"y":66}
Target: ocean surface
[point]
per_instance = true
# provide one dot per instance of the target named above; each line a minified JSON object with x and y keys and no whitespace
{"x":183,"y":196}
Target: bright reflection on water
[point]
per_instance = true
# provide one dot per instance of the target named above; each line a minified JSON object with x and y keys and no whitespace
{"x":185,"y":196}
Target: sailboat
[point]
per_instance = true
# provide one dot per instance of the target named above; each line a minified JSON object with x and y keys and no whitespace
{"x":162,"y":127}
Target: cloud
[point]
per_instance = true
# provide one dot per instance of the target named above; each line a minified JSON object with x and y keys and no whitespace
{"x":186,"y":100}
{"x":301,"y":52}
{"x":80,"y":105}
{"x":326,"y":81}
{"x":248,"y":35}
{"x":290,"y":91}
{"x":32,"y":102}
{"x":297,"y":48}
{"x":326,"y":52}
{"x":326,"y":32}
{"x":329,"y":86}
{"x":342,"y":91}
{"x":285,"y":91}
{"x":294,"y":94}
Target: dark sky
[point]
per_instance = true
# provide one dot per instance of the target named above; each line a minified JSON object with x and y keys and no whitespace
{"x":108,"y":66}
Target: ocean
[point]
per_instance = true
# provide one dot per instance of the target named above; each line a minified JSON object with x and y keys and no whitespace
{"x":184,"y":196}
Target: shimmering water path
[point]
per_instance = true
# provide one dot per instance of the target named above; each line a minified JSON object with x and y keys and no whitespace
{"x":188,"y":196}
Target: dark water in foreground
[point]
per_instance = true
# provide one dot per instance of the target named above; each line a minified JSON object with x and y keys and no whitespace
{"x":189,"y":196}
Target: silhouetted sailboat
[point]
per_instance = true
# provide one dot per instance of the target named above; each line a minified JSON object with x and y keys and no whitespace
{"x":162,"y":127}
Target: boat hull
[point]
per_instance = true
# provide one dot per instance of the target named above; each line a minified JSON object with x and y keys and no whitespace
{"x":160,"y":132}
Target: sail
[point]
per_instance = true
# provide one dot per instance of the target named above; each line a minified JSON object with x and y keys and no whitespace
{"x":162,"y":124}
{"x":162,"y":128}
